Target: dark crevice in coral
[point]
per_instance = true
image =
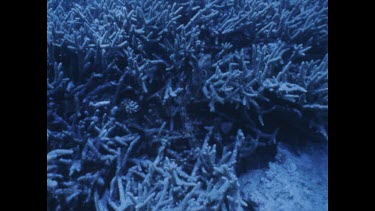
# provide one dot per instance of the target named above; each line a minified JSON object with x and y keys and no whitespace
{"x":258,"y":160}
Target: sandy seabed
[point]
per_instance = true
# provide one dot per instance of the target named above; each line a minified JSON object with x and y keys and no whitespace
{"x":294,"y":181}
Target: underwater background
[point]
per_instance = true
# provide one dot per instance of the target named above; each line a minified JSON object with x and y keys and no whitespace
{"x":187,"y":105}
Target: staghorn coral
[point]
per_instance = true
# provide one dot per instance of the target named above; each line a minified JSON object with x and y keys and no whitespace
{"x":151,"y":104}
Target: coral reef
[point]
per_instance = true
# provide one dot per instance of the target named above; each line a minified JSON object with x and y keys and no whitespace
{"x":151,"y":105}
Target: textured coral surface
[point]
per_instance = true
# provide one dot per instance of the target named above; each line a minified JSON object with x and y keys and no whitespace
{"x":162,"y":105}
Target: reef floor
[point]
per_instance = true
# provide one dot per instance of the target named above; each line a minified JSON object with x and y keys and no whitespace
{"x":296,"y":180}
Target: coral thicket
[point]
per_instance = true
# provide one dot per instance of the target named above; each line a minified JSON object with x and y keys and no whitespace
{"x":151,"y":105}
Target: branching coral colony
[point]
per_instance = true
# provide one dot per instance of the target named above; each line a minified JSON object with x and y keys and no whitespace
{"x":152,"y":103}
